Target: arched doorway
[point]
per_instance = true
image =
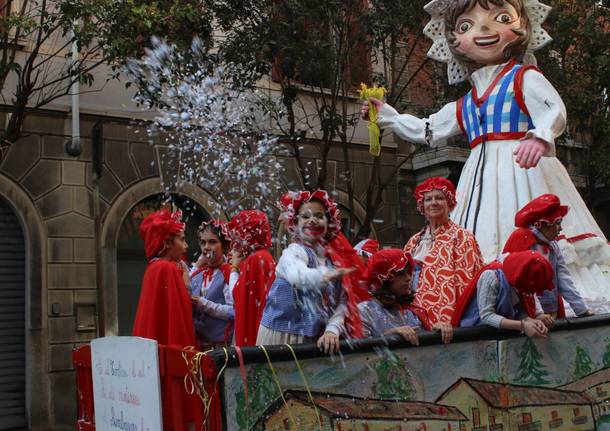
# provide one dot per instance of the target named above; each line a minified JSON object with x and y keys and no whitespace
{"x":131,"y":260}
{"x":12,"y":320}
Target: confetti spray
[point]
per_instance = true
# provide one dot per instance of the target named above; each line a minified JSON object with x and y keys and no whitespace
{"x":210,"y":125}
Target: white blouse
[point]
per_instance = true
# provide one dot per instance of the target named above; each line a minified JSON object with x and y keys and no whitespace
{"x":544,"y":104}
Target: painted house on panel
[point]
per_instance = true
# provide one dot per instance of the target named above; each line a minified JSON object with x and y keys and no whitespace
{"x":348,"y":413}
{"x":503,"y":407}
{"x":597,"y":386}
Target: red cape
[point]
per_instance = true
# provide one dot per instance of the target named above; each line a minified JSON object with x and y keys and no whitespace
{"x":164,"y":310}
{"x":523,"y":239}
{"x":165,"y":314}
{"x":470,"y":294}
{"x":257,"y":273}
{"x":343,"y":255}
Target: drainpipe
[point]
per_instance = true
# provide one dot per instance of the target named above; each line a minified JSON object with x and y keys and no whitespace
{"x":97,"y":153}
{"x":73,"y":146}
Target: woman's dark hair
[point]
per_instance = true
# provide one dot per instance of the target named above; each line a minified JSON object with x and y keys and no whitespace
{"x":389,"y":299}
{"x":216,"y":230}
{"x":514,"y":50}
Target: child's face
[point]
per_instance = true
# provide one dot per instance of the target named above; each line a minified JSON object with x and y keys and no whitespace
{"x":312,"y":223}
{"x":211,"y":248}
{"x":176,"y":247}
{"x":401,"y":284}
{"x":551,"y":230}
{"x":483,"y":35}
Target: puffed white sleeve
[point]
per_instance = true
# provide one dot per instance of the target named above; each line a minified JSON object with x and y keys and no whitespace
{"x":437,"y":127}
{"x":293,"y":268}
{"x":546,"y":108}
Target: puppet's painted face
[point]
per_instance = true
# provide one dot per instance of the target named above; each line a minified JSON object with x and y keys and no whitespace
{"x":482,"y":34}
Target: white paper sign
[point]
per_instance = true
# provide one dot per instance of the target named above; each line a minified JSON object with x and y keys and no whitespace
{"x":126,"y":386}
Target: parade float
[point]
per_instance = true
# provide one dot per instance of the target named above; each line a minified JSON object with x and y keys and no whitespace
{"x":485,"y":379}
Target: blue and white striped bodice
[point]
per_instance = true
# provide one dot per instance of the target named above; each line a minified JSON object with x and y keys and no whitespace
{"x":297,"y":311}
{"x":500,"y":114}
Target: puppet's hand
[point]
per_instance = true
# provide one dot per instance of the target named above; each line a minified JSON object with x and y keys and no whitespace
{"x":364,"y":111}
{"x":529,"y":152}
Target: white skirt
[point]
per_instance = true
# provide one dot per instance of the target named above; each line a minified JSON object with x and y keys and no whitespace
{"x":269,"y":337}
{"x":506,"y":188}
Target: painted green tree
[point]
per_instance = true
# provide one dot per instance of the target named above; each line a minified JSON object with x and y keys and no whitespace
{"x":531,"y":368}
{"x":583,"y":365}
{"x":262,"y":390}
{"x":393,"y":379}
{"x":606,"y":357}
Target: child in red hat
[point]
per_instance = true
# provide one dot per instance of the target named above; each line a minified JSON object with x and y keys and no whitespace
{"x":252,"y":271}
{"x":313,"y":297}
{"x":390,"y":310}
{"x":164,"y":309}
{"x":212,"y":298}
{"x":538,"y":226}
{"x":504,"y":294}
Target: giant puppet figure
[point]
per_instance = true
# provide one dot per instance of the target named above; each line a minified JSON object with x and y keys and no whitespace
{"x":511,"y":117}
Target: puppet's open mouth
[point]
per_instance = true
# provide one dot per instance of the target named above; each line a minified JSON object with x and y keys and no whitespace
{"x":487,"y":40}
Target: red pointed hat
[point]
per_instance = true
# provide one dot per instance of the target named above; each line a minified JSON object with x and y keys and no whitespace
{"x":158,"y":227}
{"x":384,"y":264}
{"x":249,"y":231}
{"x":435,"y":183}
{"x":367,"y":247}
{"x":292,"y":201}
{"x":529,"y":272}
{"x":546,"y":208}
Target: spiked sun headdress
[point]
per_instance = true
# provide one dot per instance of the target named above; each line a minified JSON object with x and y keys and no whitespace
{"x":435,"y":30}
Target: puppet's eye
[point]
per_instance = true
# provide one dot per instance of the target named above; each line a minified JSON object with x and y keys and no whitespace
{"x":504,"y":18}
{"x":464,"y":26}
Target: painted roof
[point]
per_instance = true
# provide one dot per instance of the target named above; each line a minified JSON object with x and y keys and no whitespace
{"x":347,"y":406}
{"x":589,"y":381}
{"x":504,"y":395}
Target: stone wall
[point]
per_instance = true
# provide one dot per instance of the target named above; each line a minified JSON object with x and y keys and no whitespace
{"x":60,"y":190}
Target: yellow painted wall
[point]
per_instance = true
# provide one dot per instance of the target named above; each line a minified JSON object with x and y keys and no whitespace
{"x":303,"y":415}
{"x":399,"y":425}
{"x":543,"y":414}
{"x":465,"y":399}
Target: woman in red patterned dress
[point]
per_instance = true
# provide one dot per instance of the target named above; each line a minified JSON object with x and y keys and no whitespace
{"x":447,"y":256}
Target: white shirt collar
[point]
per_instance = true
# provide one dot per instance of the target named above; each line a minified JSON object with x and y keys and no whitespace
{"x":482,"y":78}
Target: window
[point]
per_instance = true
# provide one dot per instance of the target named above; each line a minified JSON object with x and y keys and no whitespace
{"x":577,"y":411}
{"x":306,"y":48}
{"x":527,"y":418}
{"x":286,"y":424}
{"x":554,"y":414}
{"x":476,"y":417}
{"x":492,"y":420}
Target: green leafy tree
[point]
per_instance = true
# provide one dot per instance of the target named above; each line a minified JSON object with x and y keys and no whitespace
{"x":37,"y":38}
{"x":262,"y":390}
{"x":318,"y":53}
{"x":583,"y":365}
{"x":531,"y":368}
{"x":393,"y":379}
